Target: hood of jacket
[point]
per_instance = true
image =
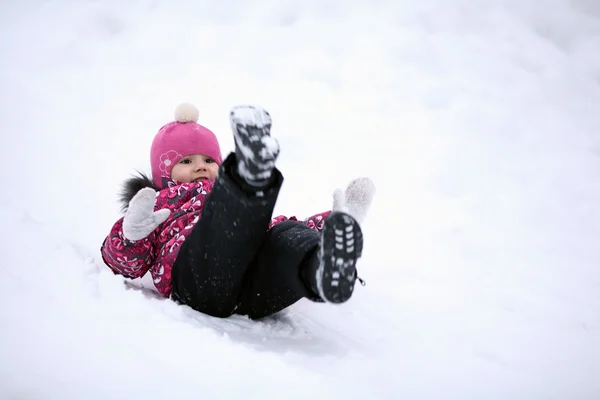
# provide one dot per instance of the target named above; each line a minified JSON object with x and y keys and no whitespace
{"x":133,"y":185}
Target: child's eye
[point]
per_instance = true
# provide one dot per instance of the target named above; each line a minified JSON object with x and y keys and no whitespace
{"x":185,"y":161}
{"x":209,"y":160}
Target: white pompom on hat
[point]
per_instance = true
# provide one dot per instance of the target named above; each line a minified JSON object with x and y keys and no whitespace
{"x":186,"y":112}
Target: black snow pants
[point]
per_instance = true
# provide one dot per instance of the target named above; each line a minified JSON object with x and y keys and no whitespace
{"x":232,"y":263}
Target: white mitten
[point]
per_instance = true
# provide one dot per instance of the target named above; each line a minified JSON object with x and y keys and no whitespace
{"x":356,"y":199}
{"x":140,"y":219}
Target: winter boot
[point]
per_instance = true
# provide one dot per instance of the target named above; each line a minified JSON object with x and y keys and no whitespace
{"x":331,"y":271}
{"x":256,"y":151}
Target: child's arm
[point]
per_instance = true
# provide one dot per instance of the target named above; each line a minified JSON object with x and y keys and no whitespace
{"x":130,"y":247}
{"x":314,"y":222}
{"x":131,"y":259}
{"x":355,"y":199}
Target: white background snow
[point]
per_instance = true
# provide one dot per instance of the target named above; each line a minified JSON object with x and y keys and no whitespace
{"x":479,"y":122}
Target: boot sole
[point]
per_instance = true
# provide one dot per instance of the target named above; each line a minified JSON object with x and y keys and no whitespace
{"x":341,"y":247}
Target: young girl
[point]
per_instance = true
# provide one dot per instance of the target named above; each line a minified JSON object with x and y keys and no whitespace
{"x":203,"y":227}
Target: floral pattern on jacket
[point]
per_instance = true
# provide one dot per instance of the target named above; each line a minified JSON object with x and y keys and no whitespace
{"x":158,"y":251}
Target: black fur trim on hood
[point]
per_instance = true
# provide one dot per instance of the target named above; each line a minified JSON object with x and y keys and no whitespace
{"x":133,"y":185}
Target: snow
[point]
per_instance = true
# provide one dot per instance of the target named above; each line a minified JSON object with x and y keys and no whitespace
{"x":477,"y":121}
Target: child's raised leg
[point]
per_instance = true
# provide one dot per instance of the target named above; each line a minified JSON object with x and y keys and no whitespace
{"x":214,"y":258}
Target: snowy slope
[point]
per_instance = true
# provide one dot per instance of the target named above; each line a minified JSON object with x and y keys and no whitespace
{"x":478,"y":122}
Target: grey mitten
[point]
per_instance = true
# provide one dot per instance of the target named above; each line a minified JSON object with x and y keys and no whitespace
{"x":141,"y":219}
{"x":356,"y":199}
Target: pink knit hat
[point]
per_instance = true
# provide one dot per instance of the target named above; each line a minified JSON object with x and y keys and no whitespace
{"x":180,"y":138}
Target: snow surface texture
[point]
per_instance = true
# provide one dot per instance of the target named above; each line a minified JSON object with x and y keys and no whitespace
{"x":477,"y":120}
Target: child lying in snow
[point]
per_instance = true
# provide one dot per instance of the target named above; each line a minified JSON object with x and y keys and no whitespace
{"x":204,"y":228}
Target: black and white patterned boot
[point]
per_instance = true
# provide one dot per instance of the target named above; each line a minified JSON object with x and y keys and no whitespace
{"x":256,"y":151}
{"x":341,"y":246}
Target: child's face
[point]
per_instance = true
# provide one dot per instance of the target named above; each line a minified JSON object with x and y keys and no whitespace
{"x":193,"y":168}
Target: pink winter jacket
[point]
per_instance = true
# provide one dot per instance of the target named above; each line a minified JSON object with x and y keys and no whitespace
{"x":158,"y":251}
